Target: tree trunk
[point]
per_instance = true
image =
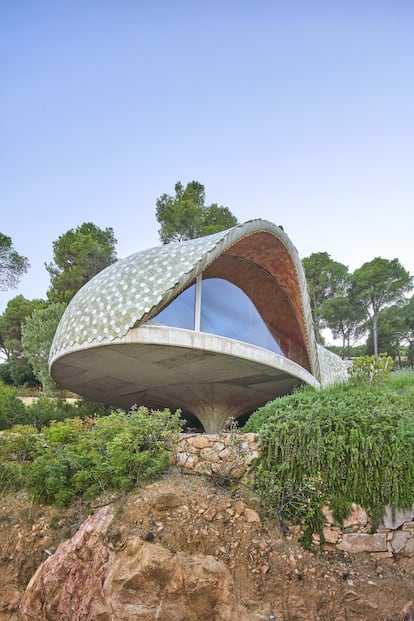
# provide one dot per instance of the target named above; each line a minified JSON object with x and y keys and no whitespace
{"x":399,"y":356}
{"x":375,"y":333}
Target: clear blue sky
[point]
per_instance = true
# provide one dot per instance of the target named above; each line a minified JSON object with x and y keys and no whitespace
{"x":301,"y":113}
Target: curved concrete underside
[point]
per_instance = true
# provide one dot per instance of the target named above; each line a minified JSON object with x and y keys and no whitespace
{"x":209,"y":376}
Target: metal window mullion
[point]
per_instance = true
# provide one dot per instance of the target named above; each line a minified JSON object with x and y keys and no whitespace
{"x":197,"y":308}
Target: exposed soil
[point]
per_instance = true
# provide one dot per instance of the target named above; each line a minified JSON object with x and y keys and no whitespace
{"x":187,"y":514}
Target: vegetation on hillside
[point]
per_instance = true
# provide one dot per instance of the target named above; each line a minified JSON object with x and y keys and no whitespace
{"x":82,"y":458}
{"x":349,"y":443}
{"x":43,"y":410}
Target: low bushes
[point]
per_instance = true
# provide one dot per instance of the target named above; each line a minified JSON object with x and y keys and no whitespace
{"x":349,"y":443}
{"x":12,"y":410}
{"x":81,"y":458}
{"x":43,"y":410}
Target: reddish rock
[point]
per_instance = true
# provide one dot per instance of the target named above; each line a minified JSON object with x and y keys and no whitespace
{"x":86,"y":580}
{"x":69,"y":584}
{"x":357,"y":517}
{"x":210,"y":514}
{"x":10,"y":600}
{"x":251,"y":515}
{"x":332,"y":534}
{"x":199,"y":441}
{"x":408,"y":526}
{"x":399,"y":540}
{"x":240,"y":507}
{"x":165,"y":501}
{"x":407,"y":549}
{"x":159,"y":558}
{"x":394,"y":519}
{"x":327,"y":514}
{"x":361,"y":542}
{"x":209,"y":455}
{"x":408,"y":612}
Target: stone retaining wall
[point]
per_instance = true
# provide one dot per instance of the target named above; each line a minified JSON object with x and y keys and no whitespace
{"x":224,"y":454}
{"x":230,"y":455}
{"x":393,"y":538}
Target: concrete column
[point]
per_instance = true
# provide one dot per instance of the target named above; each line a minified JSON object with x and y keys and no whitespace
{"x":213,"y":416}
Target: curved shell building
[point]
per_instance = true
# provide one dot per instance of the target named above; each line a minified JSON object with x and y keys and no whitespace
{"x":215,"y":326}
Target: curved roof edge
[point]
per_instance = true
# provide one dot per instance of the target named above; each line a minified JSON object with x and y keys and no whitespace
{"x":158,"y":335}
{"x":123,"y":295}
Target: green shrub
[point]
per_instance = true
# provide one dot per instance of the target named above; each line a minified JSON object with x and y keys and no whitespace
{"x":402,"y":381}
{"x":17,"y":371}
{"x":44,"y":410}
{"x":85,"y":457}
{"x":371,"y":369}
{"x":18,"y":446}
{"x":87,"y":409}
{"x":68,"y":431}
{"x":21,"y":443}
{"x":350,"y":443}
{"x":288,"y":403}
{"x":51,"y":476}
{"x":135,"y":446}
{"x":11,"y":477}
{"x":12,"y":410}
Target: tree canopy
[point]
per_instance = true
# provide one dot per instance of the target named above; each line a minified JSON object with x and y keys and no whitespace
{"x":395,"y":330}
{"x":185,"y":215}
{"x":16,"y":311}
{"x":377,"y":284}
{"x":408,"y":328}
{"x":78,"y":255}
{"x":346,"y":320}
{"x":16,"y":370}
{"x":37,"y":335}
{"x":12,"y":264}
{"x":326,"y":278}
{"x":407,"y":322}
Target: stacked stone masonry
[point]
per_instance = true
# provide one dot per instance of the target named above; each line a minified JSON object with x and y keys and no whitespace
{"x":393,"y":538}
{"x":230,"y":455}
{"x":223,"y":454}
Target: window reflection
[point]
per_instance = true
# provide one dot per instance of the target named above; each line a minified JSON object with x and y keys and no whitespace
{"x":180,"y":313}
{"x":225,"y":310}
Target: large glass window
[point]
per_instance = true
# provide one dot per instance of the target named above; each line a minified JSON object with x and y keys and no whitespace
{"x":225,"y":310}
{"x":180,"y":313}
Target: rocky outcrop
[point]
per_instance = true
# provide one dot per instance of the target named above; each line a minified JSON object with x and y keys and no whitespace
{"x":70,"y":583}
{"x":86,"y":580}
{"x":184,"y":550}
